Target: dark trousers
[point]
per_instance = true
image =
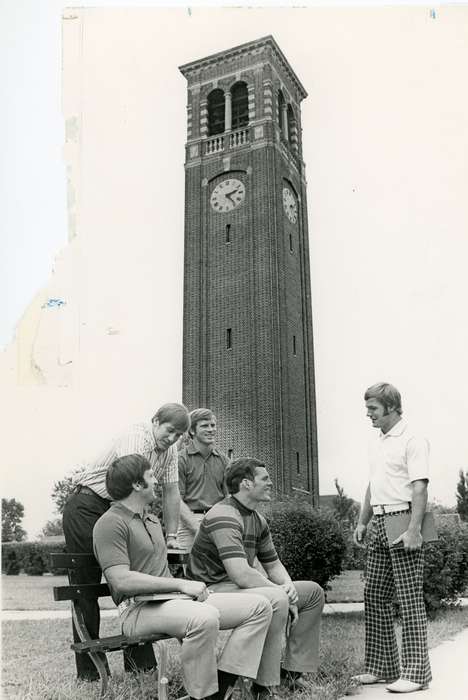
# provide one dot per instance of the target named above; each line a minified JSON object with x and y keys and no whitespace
{"x":79,"y":517}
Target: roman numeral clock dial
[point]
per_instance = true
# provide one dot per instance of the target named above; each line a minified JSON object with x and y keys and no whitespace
{"x":228,"y":195}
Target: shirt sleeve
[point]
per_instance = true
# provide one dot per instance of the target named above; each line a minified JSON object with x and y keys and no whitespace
{"x":266,"y":549}
{"x":135,"y":442}
{"x":182,"y":470}
{"x":110,"y":542}
{"x":417,"y":458}
{"x":226,"y":534}
{"x":170,"y":473}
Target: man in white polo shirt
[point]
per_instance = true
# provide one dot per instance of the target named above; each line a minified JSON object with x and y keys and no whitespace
{"x":399,"y":476}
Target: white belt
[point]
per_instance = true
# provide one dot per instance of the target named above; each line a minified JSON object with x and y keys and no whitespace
{"x":391,"y":508}
{"x":125,"y":604}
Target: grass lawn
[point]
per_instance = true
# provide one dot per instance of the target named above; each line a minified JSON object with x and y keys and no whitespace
{"x":35,"y":592}
{"x":38,"y":664}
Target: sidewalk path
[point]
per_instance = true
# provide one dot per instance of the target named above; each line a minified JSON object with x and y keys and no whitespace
{"x":449,"y":662}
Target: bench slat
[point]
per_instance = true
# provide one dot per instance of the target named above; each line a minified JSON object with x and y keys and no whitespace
{"x":63,"y":560}
{"x":81,"y":590}
{"x":117,"y":642}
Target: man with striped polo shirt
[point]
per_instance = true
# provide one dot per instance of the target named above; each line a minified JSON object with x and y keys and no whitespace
{"x":231,"y":535}
{"x":154,"y":440}
{"x":399,"y":475}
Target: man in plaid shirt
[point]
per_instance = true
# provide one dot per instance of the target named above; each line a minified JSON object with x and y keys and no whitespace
{"x":399,"y":475}
{"x":154,"y":440}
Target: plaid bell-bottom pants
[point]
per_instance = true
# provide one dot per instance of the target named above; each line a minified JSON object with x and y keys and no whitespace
{"x":393,"y":573}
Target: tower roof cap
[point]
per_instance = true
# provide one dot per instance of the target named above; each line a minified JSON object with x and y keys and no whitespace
{"x":266,"y":41}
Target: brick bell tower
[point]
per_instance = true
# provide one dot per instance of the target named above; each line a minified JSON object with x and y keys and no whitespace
{"x":248,"y":350}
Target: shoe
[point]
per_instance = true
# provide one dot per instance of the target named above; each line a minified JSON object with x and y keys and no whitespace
{"x":293,"y":680}
{"x":404,"y":686}
{"x":368,"y":679}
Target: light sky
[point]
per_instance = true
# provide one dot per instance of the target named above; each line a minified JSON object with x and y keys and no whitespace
{"x":385,"y":133}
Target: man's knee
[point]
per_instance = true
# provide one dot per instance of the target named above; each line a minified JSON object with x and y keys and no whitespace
{"x":205,"y":619}
{"x":311,"y":594}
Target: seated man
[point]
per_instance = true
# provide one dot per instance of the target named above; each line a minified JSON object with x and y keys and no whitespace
{"x":231,"y":535}
{"x":130,"y":548}
{"x":202,"y":471}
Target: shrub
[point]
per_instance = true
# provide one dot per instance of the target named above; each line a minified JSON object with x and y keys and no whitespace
{"x":31,"y":557}
{"x":446,"y":566}
{"x":309,"y":542}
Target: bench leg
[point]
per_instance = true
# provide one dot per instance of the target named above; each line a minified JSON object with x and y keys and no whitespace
{"x":162,"y":671}
{"x":102,"y":670}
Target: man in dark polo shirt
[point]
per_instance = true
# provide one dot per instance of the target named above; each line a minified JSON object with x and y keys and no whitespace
{"x":231,"y":535}
{"x":130,"y":548}
{"x":202,"y":472}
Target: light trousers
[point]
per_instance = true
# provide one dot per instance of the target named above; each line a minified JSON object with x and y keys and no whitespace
{"x":302,"y":643}
{"x":185,"y":535}
{"x":197,"y":625}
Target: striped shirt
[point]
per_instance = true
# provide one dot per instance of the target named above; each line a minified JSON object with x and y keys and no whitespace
{"x":227,"y":531}
{"x":138,"y":439}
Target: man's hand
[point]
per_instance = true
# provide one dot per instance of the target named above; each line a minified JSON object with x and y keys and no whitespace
{"x":196,"y":589}
{"x":412,"y":540}
{"x":290,"y":591}
{"x":172,"y":543}
{"x":359,"y":534}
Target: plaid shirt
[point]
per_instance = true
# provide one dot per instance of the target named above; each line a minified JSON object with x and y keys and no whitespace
{"x":138,"y":439}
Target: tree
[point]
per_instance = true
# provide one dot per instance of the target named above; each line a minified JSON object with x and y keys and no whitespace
{"x":12,"y":515}
{"x":52,"y":527}
{"x":63,"y":488}
{"x":345,"y":508}
{"x":462,"y":495}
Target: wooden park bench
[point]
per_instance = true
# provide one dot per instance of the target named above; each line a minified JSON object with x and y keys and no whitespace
{"x":76,"y":592}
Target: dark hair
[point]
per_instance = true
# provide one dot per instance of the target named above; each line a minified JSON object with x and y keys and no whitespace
{"x":242,"y":468}
{"x":387,"y":395}
{"x":198,"y":415}
{"x":175,"y":413}
{"x":123,"y":473}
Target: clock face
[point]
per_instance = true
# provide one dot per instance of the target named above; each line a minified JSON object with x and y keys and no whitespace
{"x":289,"y":205}
{"x":228,"y":195}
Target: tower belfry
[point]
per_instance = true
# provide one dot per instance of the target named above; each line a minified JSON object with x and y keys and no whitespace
{"x":248,"y":346}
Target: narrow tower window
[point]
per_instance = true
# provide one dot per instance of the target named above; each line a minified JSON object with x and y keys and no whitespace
{"x":240,"y":106}
{"x":228,"y":233}
{"x":215,"y":112}
{"x":291,"y":250}
{"x":298,"y":464}
{"x":230,"y":453}
{"x":229,"y":338}
{"x":294,"y":345}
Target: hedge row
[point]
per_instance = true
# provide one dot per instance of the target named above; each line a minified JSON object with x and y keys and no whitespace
{"x":33,"y":558}
{"x":312,"y":546}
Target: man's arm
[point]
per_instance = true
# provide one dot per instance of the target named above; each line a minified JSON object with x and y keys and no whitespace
{"x":412,"y":538}
{"x":278,"y":574}
{"x":171,"y":508}
{"x":129,"y":583}
{"x":364,"y":516}
{"x":186,"y":516}
{"x":243,"y":575}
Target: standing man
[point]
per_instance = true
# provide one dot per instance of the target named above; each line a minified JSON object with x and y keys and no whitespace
{"x":202,"y":475}
{"x":399,"y":475}
{"x":90,"y":499}
{"x":130,"y":548}
{"x":231,"y":535}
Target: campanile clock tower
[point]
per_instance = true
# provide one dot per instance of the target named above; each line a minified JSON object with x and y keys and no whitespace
{"x":248,"y":347}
